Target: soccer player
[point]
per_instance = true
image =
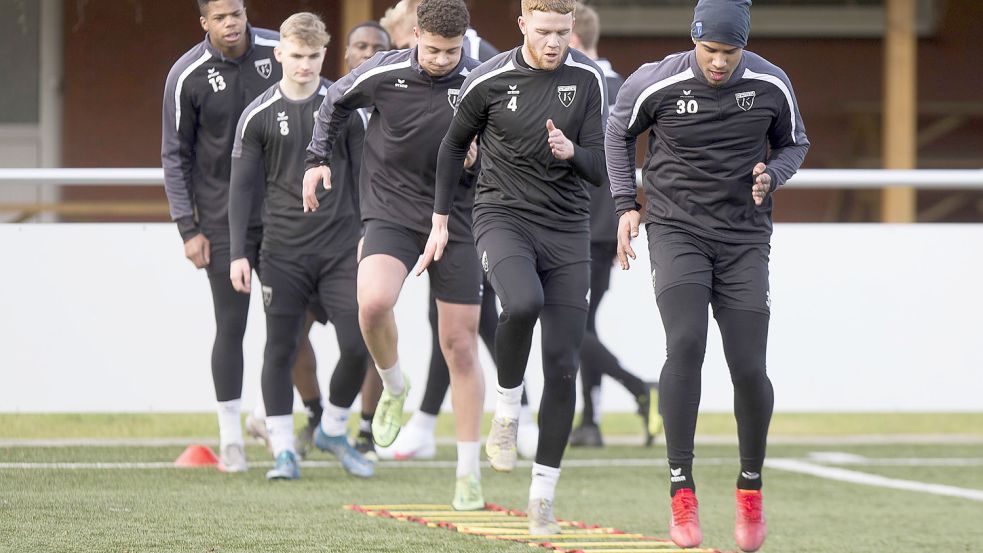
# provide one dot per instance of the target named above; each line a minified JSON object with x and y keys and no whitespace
{"x":417,"y":439}
{"x":539,"y":110}
{"x":413,"y":94}
{"x":595,"y":359}
{"x":302,"y":255}
{"x":726,"y":133}
{"x":206,"y":91}
{"x":364,"y":41}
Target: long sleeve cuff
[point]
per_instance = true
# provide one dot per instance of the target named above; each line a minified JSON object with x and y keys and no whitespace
{"x":624,"y":204}
{"x":187,"y":227}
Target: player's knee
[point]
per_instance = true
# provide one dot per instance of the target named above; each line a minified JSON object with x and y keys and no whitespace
{"x":458,"y":347}
{"x":686,"y":349}
{"x":747,"y":370}
{"x":353,"y":348}
{"x":373,"y":309}
{"x":523,"y":309}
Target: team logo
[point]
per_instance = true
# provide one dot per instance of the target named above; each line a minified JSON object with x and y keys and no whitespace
{"x":484,"y":261}
{"x":267,"y":295}
{"x":745,"y":100}
{"x":566,"y":93}
{"x":453,"y":97}
{"x":697,"y":30}
{"x":264,"y":67}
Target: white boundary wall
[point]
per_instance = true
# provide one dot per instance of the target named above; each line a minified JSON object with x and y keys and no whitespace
{"x":112,"y":318}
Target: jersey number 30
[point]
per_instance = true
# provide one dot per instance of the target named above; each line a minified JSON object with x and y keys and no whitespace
{"x":513,"y":103}
{"x":682,"y":106}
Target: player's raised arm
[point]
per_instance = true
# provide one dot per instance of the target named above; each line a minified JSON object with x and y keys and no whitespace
{"x":787,"y":138}
{"x":588,"y":145}
{"x":349,"y":93}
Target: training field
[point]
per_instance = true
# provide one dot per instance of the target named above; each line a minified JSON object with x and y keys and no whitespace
{"x":836,"y":483}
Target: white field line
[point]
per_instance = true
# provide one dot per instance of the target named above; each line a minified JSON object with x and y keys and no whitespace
{"x":860,"y":439}
{"x":569,"y":463}
{"x":854,"y":477}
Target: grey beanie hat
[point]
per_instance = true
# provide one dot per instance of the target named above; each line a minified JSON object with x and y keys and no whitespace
{"x":725,"y":21}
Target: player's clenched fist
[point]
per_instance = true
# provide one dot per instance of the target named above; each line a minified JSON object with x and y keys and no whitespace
{"x":560,"y":145}
{"x":312,"y":177}
{"x":762,"y":183}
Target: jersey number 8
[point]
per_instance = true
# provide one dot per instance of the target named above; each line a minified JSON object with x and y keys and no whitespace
{"x":682,"y":106}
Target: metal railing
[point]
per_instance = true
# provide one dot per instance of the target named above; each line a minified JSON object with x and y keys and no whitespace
{"x":23,"y":209}
{"x":945,"y":179}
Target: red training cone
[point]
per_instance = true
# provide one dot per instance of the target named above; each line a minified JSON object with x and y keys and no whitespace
{"x":196,"y":456}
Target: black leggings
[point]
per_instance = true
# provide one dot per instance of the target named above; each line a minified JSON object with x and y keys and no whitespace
{"x":523,"y":290}
{"x":282,"y":338}
{"x":745,"y":337}
{"x":439,"y":378}
{"x":596,"y":360}
{"x":231,"y":311}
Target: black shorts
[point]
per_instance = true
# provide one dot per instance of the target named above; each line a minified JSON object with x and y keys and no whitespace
{"x":294,"y":284}
{"x":561,"y":258}
{"x":736,"y":274}
{"x":456,"y":278}
{"x":219,"y":247}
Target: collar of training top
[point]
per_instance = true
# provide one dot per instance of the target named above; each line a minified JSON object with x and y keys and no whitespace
{"x":216,"y":53}
{"x":415,"y":64}
{"x":734,"y":77}
{"x":521,"y":65}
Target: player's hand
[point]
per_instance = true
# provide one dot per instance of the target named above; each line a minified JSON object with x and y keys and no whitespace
{"x":762,"y":184}
{"x":198,"y":250}
{"x":435,"y":244}
{"x":312,"y":177}
{"x":472,"y":154}
{"x":627,"y":229}
{"x":240,"y":272}
{"x":560,"y":145}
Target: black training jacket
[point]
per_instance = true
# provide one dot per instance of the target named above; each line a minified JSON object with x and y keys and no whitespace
{"x":704,"y":144}
{"x":204,"y":96}
{"x":268,"y":167}
{"x":410,"y":112}
{"x":507,"y":104}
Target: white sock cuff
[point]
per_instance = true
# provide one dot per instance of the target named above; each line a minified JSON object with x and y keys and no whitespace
{"x":510,"y":395}
{"x":468,"y":454}
{"x":544,"y":481}
{"x":392,"y":379}
{"x":281,"y":430}
{"x":423,"y":421}
{"x":229,"y":422}
{"x":508,"y":403}
{"x":334,"y":419}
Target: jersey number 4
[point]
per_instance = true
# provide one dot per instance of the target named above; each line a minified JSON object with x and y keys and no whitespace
{"x":513,"y":103}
